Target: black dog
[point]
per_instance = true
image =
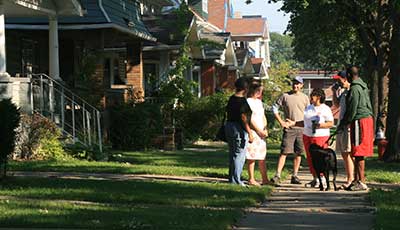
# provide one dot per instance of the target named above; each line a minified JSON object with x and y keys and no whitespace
{"x":324,"y":160}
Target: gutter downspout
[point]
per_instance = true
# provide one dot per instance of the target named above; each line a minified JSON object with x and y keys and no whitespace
{"x":104,"y":12}
{"x":225,"y":16}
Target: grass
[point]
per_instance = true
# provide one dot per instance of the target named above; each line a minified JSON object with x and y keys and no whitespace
{"x":202,"y":162}
{"x":381,"y":172}
{"x":105,"y":204}
{"x":388,"y":204}
{"x":73,"y":203}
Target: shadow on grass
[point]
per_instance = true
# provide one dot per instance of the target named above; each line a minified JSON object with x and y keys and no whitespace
{"x":388,"y":204}
{"x":382,"y":172}
{"x":65,"y":215}
{"x":134,"y":192}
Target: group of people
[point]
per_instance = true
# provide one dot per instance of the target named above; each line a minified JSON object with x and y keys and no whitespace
{"x":306,"y":121}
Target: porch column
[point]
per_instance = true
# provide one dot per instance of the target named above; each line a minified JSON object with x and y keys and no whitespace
{"x":54,"y":66}
{"x":2,"y":40}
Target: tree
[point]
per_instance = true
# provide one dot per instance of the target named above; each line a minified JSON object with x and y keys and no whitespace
{"x":281,"y":48}
{"x":9,"y":117}
{"x":373,"y":25}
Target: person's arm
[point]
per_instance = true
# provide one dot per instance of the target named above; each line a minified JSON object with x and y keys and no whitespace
{"x":328,"y":116}
{"x":247,"y":127}
{"x":275,"y":110}
{"x":352,"y":105}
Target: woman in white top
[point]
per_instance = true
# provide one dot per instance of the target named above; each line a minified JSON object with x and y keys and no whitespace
{"x":257,"y":150}
{"x":318,"y":120}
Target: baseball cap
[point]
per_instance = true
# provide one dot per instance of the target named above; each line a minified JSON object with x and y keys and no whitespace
{"x":298,"y":79}
{"x":340,"y":74}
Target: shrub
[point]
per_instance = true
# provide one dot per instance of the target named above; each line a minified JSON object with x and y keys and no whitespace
{"x":81,"y":151}
{"x":202,"y":118}
{"x":39,"y":138}
{"x":9,"y":117}
{"x":133,"y":127}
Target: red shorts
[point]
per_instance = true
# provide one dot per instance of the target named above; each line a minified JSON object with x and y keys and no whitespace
{"x":321,"y":141}
{"x":362,"y":137}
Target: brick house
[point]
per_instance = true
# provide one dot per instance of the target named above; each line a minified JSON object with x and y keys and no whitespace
{"x":110,"y":30}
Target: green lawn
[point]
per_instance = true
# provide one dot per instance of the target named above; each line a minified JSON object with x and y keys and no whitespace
{"x":104,"y":204}
{"x":179,"y":163}
{"x":74,"y":203}
{"x":387,"y":202}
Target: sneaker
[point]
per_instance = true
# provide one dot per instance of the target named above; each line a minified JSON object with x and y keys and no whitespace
{"x":295,"y":180}
{"x":275,"y":179}
{"x":323,"y":182}
{"x":359,"y":186}
{"x":312,"y":184}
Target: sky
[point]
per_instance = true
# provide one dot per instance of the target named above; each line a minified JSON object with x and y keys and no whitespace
{"x":277,"y":21}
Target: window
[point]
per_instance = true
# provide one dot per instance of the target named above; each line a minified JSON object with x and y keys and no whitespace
{"x":205,"y":5}
{"x":115,"y":70}
{"x":29,"y":57}
{"x":151,"y":78}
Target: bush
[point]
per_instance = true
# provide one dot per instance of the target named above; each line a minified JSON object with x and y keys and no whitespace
{"x":39,"y":138}
{"x":133,"y":127}
{"x":81,"y":151}
{"x":9,"y":117}
{"x":202,"y":118}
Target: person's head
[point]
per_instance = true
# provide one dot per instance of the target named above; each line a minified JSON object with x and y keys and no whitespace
{"x":317,"y":96}
{"x":242,"y":84}
{"x":255,"y":89}
{"x":352,"y":73}
{"x":341,"y":78}
{"x":297,"y":84}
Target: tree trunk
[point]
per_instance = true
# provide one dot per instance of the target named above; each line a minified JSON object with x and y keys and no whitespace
{"x":392,"y":152}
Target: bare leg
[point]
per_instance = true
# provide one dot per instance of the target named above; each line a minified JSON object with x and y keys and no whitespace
{"x":251,"y":164}
{"x":296,"y":164}
{"x":349,"y":166}
{"x":281,"y":163}
{"x":263,"y":171}
{"x":360,"y":168}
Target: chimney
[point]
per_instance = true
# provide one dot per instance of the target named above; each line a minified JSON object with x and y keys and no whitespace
{"x":217,"y":11}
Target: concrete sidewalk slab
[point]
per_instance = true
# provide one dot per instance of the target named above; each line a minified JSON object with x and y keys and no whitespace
{"x":297,"y":207}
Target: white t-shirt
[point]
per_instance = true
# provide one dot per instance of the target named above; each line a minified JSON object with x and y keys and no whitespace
{"x":320,"y":114}
{"x":257,"y":112}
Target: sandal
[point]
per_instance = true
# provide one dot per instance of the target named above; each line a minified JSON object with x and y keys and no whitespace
{"x":254,"y":183}
{"x":345,"y":186}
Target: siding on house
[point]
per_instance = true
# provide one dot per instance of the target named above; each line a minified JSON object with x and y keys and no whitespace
{"x":122,"y":13}
{"x":197,"y":6}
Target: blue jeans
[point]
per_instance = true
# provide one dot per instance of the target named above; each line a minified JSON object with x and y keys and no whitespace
{"x":237,"y":139}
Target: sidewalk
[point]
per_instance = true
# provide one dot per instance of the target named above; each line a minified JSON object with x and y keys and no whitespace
{"x":297,"y":207}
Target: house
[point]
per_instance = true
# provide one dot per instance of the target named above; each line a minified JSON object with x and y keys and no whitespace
{"x":323,"y":80}
{"x":248,"y":34}
{"x":158,"y":56}
{"x":215,"y":64}
{"x":98,"y":54}
{"x":108,"y":37}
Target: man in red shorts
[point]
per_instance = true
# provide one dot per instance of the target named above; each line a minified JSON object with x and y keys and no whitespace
{"x":360,"y":117}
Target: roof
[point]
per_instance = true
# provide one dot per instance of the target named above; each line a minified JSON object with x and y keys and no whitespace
{"x":122,"y":15}
{"x":163,"y":28}
{"x":315,"y":74}
{"x":247,"y":27}
{"x":217,"y":43}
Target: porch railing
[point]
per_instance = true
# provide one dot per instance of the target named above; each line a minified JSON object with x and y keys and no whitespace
{"x":77,"y":119}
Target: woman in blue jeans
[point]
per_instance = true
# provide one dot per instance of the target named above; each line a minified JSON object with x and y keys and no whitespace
{"x":237,"y":130}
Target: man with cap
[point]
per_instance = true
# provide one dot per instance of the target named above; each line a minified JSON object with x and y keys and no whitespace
{"x":343,"y":145}
{"x":293,"y":104}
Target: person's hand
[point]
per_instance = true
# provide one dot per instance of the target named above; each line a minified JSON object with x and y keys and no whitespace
{"x":284,"y":125}
{"x":261,"y":134}
{"x":251,"y":138}
{"x":266,"y":133}
{"x":290,"y":123}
